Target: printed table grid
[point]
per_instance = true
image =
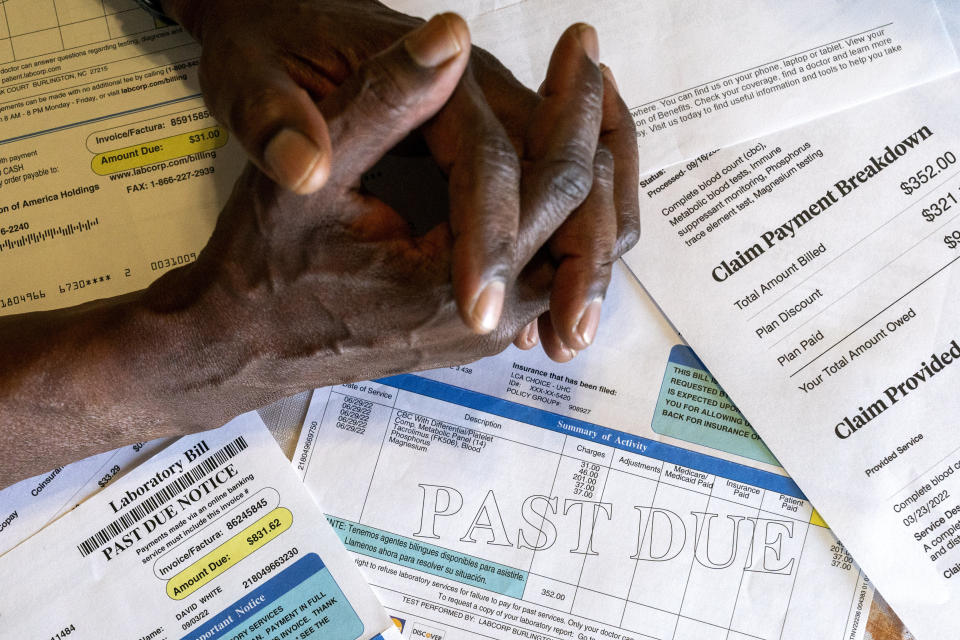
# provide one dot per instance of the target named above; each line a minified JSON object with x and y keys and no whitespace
{"x":680,"y":619}
{"x":30,"y":28}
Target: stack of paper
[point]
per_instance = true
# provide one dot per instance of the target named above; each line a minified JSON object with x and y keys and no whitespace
{"x":800,"y":164}
{"x":212,"y":538}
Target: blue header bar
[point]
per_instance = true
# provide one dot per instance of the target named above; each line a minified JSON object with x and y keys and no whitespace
{"x":278,"y":585}
{"x":595,"y":433}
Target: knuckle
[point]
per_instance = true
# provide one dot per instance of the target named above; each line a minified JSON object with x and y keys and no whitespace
{"x":493,"y":162}
{"x":383,"y":88}
{"x":500,"y":242}
{"x":586,"y":104}
{"x":497,"y":152}
{"x":604,"y":255}
{"x":593,"y":98}
{"x":628,"y":234}
{"x":253,"y":110}
{"x":497,"y":171}
{"x":572,"y":178}
{"x":604,"y":161}
{"x":603,"y":166}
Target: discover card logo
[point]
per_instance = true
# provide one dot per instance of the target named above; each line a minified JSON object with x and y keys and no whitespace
{"x":419,"y":632}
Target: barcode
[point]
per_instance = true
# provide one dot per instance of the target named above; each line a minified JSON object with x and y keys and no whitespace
{"x":165,"y":494}
{"x":48,"y":234}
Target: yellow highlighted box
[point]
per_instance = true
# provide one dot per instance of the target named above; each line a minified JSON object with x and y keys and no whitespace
{"x":140,"y":155}
{"x":817,"y":520}
{"x":229,"y":553}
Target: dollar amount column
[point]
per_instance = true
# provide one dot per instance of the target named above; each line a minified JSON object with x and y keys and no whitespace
{"x":801,"y":561}
{"x":608,"y":568}
{"x":582,"y":512}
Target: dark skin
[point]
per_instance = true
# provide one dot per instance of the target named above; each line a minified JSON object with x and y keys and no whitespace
{"x":296,"y":291}
{"x":515,"y":158}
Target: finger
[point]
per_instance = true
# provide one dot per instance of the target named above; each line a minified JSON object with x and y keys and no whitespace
{"x":562,"y":139}
{"x":484,"y":176}
{"x":393,"y":93}
{"x":528,"y":337}
{"x":530,"y":293}
{"x":512,"y":101}
{"x":274,"y":119}
{"x":584,"y":248}
{"x":553,"y":346}
{"x":619,"y":134}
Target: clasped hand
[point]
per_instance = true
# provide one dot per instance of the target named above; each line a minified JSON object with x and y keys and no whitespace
{"x":542,"y":186}
{"x":308,"y":280}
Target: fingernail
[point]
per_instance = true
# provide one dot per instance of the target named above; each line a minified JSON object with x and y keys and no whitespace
{"x":567,"y":354}
{"x":608,"y":74}
{"x":589,"y":41}
{"x":434,"y":43}
{"x":529,"y":336}
{"x":293,"y":159}
{"x":589,"y":321}
{"x":488,"y":307}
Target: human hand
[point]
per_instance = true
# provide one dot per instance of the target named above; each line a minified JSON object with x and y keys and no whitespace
{"x":516,"y":160}
{"x":294,"y":292}
{"x":291,"y":293}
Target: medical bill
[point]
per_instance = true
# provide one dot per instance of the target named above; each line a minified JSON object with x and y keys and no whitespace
{"x":112,"y":171}
{"x":619,"y":497}
{"x":31,"y":504}
{"x":700,"y":76}
{"x":212,"y":538}
{"x":814,"y":271}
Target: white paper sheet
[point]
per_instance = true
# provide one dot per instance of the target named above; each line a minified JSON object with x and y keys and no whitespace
{"x":439,"y":483}
{"x":704,"y":75}
{"x":112,"y":171}
{"x":31,"y":504}
{"x":212,"y":538}
{"x":814,"y":271}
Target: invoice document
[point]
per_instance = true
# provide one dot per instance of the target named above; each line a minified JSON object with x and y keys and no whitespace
{"x":814,"y":271}
{"x":31,"y":504}
{"x":516,"y":497}
{"x":212,"y":538}
{"x":703,"y":75}
{"x":112,"y":171}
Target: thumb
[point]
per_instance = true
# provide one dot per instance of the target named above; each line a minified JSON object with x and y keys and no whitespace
{"x":393,"y":93}
{"x":273,"y":117}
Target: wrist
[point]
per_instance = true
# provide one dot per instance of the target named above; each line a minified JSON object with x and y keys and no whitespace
{"x":78,"y":381}
{"x":189,"y":356}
